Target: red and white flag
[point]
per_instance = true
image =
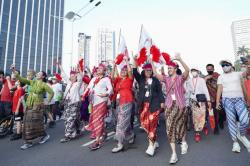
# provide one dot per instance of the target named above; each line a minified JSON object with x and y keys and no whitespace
{"x":122,"y":52}
{"x":145,"y":43}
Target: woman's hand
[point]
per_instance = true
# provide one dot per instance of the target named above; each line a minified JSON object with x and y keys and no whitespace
{"x":13,"y":68}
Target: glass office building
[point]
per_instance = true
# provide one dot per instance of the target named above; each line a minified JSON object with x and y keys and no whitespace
{"x":31,"y":33}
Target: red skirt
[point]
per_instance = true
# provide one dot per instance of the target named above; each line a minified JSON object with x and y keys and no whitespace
{"x":149,"y":121}
{"x":96,"y":120}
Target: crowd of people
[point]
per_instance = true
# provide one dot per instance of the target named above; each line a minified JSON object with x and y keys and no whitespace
{"x":186,"y":98}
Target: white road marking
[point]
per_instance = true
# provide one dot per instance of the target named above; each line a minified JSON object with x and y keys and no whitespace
{"x":110,"y":136}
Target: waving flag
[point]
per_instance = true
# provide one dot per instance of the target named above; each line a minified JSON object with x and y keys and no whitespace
{"x":122,"y":51}
{"x":145,"y":44}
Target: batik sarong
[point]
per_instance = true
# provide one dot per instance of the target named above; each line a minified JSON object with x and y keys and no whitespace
{"x":72,"y":120}
{"x":176,"y":123}
{"x":199,"y":115}
{"x":123,"y":127}
{"x":33,"y":123}
{"x":149,"y":121}
{"x":96,"y":120}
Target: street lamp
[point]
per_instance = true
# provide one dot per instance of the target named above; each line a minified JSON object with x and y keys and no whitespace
{"x":73,"y":16}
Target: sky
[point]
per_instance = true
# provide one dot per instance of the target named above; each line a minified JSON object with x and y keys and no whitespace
{"x":199,"y":29}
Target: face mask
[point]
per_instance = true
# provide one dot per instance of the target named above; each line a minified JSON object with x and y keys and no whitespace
{"x":194,"y":73}
{"x":226,"y":69}
{"x":243,"y":69}
{"x":210,"y":72}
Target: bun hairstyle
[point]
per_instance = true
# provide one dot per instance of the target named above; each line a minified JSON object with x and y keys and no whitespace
{"x":178,"y":71}
{"x":1,"y":72}
{"x":44,"y":76}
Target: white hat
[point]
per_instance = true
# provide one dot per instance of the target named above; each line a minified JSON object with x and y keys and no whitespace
{"x":226,"y":60}
{"x":195,"y":68}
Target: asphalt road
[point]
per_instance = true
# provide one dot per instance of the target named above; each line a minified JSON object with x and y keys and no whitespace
{"x":212,"y":151}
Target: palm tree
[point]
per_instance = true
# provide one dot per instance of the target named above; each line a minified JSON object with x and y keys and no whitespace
{"x":237,"y":65}
{"x":243,"y":51}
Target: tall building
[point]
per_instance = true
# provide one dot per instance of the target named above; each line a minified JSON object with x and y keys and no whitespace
{"x":240,"y":35}
{"x":105,"y":45}
{"x":31,"y":33}
{"x":84,"y":48}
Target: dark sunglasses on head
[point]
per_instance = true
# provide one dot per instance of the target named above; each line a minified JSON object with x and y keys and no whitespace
{"x":225,"y":64}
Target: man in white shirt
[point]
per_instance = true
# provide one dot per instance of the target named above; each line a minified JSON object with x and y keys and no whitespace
{"x":229,"y":86}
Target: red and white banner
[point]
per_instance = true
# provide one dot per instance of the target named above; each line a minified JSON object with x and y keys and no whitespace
{"x":122,"y":52}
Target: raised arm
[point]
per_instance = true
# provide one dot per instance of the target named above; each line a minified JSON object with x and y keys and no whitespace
{"x":184,"y":65}
{"x":63,"y":74}
{"x":130,"y":74}
{"x":8,"y":79}
{"x":79,"y":75}
{"x":23,"y":80}
{"x":136,"y":74}
{"x":157,"y":75}
{"x":113,"y":71}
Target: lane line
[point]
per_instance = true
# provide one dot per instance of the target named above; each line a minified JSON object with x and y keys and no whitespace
{"x":110,"y":136}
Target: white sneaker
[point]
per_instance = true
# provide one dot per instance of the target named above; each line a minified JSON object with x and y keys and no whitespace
{"x":26,"y":146}
{"x":236,"y":147}
{"x":184,"y":148}
{"x":44,"y":139}
{"x":151,"y":150}
{"x":156,"y":145}
{"x":117,"y":149}
{"x":244,"y":141}
{"x":173,"y":159}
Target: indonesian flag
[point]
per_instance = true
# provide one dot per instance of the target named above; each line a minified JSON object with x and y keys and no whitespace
{"x":145,"y":44}
{"x":122,"y":52}
{"x":81,"y":64}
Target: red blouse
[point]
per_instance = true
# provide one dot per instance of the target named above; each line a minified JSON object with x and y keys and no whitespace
{"x":247,"y":85}
{"x":124,"y":89}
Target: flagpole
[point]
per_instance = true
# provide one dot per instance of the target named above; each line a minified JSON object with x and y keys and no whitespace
{"x":119,"y":37}
{"x":140,"y":35}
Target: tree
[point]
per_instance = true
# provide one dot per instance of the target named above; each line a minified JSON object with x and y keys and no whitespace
{"x":237,"y":65}
{"x":243,"y":51}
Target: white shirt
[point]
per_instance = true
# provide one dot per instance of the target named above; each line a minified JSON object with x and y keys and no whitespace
{"x":72,"y":91}
{"x":197,"y":86}
{"x":104,"y":86}
{"x":231,"y":83}
{"x":57,"y":89}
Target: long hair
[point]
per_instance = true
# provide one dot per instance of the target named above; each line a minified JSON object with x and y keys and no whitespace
{"x":44,"y":76}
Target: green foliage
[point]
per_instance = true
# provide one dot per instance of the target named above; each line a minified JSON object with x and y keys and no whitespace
{"x":243,"y":51}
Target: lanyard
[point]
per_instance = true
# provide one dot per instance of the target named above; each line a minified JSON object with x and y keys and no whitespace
{"x":194,"y":84}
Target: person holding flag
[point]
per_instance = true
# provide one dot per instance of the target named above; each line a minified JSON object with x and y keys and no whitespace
{"x":124,"y":103}
{"x":150,"y":102}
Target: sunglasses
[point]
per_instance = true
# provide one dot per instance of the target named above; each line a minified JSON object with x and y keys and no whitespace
{"x":225,"y":65}
{"x":148,"y":70}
